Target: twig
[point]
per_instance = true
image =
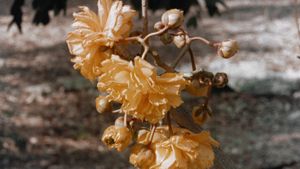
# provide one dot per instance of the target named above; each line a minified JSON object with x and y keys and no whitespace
{"x":145,"y":17}
{"x":187,"y":47}
{"x":169,"y":124}
{"x":117,"y":111}
{"x":141,"y":41}
{"x":203,"y":40}
{"x":296,"y":16}
{"x":145,"y":27}
{"x":144,"y":41}
{"x":180,"y":56}
{"x":192,"y":59}
{"x":152,"y":132}
{"x":125,"y":119}
{"x":156,"y":33}
{"x":206,"y":102}
{"x":146,"y":50}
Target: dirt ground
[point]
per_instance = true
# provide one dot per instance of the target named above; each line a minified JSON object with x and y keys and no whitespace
{"x":48,"y":118}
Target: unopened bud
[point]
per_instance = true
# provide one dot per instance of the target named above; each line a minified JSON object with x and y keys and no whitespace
{"x":228,"y":48}
{"x":166,"y":38}
{"x":102,"y":104}
{"x":196,"y":89}
{"x":172,"y":18}
{"x":179,"y":40}
{"x":117,"y":137}
{"x":158,"y":26}
{"x":119,"y":122}
{"x":201,"y":114}
{"x":220,"y":80}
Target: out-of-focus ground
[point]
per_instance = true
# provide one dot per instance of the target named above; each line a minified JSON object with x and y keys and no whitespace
{"x":47,"y":113}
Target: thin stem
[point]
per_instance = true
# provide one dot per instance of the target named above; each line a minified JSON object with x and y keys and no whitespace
{"x":203,"y":40}
{"x":194,"y":68}
{"x":144,"y":41}
{"x":146,"y":50}
{"x":116,"y":111}
{"x":145,"y":17}
{"x":296,"y":16}
{"x":187,"y":47}
{"x":133,"y":38}
{"x":192,"y":59}
{"x":206,"y":102}
{"x":180,"y":56}
{"x":169,"y":124}
{"x":156,"y":33}
{"x":125,"y":119}
{"x":152,"y":132}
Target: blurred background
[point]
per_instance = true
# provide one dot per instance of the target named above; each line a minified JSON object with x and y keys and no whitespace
{"x":48,"y":118}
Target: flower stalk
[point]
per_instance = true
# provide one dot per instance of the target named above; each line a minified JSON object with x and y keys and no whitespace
{"x":146,"y":95}
{"x":145,"y":17}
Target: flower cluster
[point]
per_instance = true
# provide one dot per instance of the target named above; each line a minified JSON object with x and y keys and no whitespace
{"x":184,"y":150}
{"x":146,"y":95}
{"x":143,"y":94}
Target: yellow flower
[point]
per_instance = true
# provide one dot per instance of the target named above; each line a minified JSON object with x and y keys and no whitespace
{"x":115,"y":79}
{"x":161,"y":134}
{"x":117,"y":137}
{"x":183,"y":150}
{"x":143,"y":94}
{"x":141,"y":156}
{"x":150,"y":96}
{"x":94,"y":34}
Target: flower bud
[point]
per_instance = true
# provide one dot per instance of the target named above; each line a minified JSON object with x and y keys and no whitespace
{"x":158,"y":26}
{"x":179,"y":40}
{"x":195,"y":89}
{"x":119,"y":122}
{"x":201,"y":114}
{"x":172,"y":18}
{"x":102,"y":104}
{"x":228,"y":48}
{"x":141,"y":156}
{"x":166,"y":38}
{"x":220,"y":80}
{"x":117,"y":137}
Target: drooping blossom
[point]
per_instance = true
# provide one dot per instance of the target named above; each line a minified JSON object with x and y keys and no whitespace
{"x":95,"y":34}
{"x":142,"y":92}
{"x":117,"y":137}
{"x":184,"y":149}
{"x":142,"y":156}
